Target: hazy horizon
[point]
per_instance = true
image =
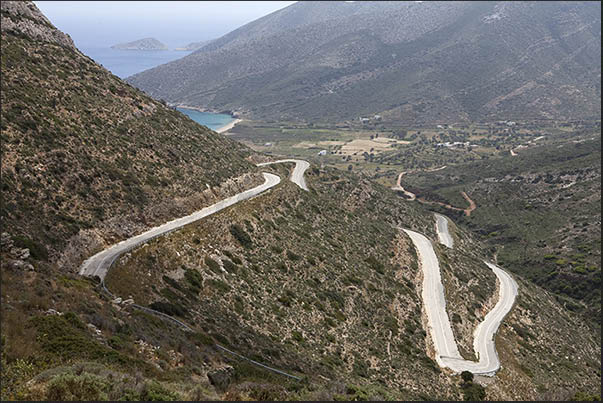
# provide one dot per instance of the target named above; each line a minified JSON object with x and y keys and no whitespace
{"x":174,"y":23}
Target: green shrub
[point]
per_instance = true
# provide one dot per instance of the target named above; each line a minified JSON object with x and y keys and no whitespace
{"x":36,"y":249}
{"x":77,"y":387}
{"x":375,"y":264}
{"x":200,"y":339}
{"x":580,"y":270}
{"x":456,"y":318}
{"x":117,"y":342}
{"x":585,"y":397}
{"x":473,"y":391}
{"x":168,"y":308}
{"x":65,"y":337}
{"x":233,"y":257}
{"x":213,"y":265}
{"x":194,"y":279}
{"x":282,"y":267}
{"x":170,"y":281}
{"x":467,"y":376}
{"x":169,"y":295}
{"x":230,"y":266}
{"x":241,"y":236}
{"x":285,"y":300}
{"x":155,"y":392}
{"x":219,"y":285}
{"x":292,"y":256}
{"x":360,"y":368}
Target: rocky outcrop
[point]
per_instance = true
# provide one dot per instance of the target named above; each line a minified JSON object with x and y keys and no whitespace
{"x":23,"y":17}
{"x":15,"y":257}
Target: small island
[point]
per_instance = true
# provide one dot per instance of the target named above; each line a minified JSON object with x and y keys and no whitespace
{"x":141,"y":44}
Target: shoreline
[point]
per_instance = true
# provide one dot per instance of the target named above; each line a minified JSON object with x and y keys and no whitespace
{"x":220,"y":129}
{"x":228,"y":126}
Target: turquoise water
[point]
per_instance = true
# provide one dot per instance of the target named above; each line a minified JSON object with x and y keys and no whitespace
{"x":124,"y":63}
{"x":212,"y":120}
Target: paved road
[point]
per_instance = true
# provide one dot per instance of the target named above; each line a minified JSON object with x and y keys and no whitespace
{"x":99,"y":264}
{"x":442,"y":230}
{"x":297,"y":176}
{"x":447,"y":354}
{"x":483,"y":342}
{"x":434,"y":300}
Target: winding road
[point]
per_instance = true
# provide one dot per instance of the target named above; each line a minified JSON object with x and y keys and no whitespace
{"x":99,"y":264}
{"x":411,"y":196}
{"x":297,"y":176}
{"x":447,"y":354}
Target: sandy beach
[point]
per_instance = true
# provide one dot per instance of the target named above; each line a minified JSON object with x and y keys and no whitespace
{"x":227,"y":127}
{"x":222,"y":129}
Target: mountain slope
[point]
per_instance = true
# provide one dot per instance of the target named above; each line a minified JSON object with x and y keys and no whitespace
{"x":86,"y":158}
{"x":415,"y":62}
{"x":325,"y":285}
{"x":540,"y":210}
{"x":316,"y":283}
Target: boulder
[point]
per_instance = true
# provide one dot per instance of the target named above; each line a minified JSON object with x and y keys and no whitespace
{"x":6,"y":242}
{"x":20,"y":264}
{"x":51,"y":311}
{"x":22,"y":254}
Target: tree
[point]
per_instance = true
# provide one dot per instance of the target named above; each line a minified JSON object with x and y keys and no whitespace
{"x":467,"y":376}
{"x":471,"y":391}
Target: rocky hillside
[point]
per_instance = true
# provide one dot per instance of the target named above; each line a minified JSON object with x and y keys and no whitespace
{"x":141,"y":44}
{"x":407,"y":61}
{"x":86,"y":158}
{"x":540,"y":210}
{"x":24,"y":18}
{"x":322,"y":284}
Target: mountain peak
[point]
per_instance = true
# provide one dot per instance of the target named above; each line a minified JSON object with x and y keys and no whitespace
{"x":24,"y":18}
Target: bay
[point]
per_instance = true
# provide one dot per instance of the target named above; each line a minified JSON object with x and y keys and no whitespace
{"x":124,"y":63}
{"x":212,"y":120}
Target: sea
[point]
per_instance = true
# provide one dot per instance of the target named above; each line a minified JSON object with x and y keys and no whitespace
{"x":212,"y":120}
{"x":124,"y":63}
